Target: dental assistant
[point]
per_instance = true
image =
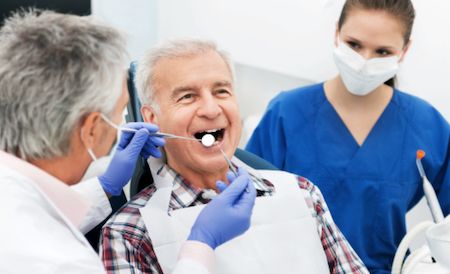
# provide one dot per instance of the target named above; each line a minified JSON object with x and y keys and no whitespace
{"x":61,"y":84}
{"x":356,"y":135}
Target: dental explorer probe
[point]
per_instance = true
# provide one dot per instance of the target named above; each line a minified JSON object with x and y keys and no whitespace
{"x":209,"y":140}
{"x":161,"y":134}
{"x":230,"y":165}
{"x":232,"y":168}
{"x":156,"y":134}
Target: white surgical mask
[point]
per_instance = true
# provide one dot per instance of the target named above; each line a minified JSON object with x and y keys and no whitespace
{"x":361,"y":76}
{"x":98,"y":166}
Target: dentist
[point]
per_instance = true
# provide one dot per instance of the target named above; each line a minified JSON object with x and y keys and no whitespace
{"x":61,"y":82}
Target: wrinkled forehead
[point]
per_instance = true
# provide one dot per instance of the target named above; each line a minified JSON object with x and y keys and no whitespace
{"x":202,"y":70}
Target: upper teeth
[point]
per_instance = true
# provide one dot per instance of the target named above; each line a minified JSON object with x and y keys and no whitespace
{"x":211,"y":130}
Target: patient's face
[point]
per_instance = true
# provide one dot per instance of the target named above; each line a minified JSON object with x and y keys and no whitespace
{"x":195,"y":95}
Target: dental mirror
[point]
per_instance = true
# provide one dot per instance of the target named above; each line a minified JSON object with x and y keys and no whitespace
{"x":208,"y":140}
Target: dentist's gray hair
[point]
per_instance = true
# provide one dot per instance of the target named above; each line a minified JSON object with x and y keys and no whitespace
{"x":54,"y":70}
{"x":145,"y":78}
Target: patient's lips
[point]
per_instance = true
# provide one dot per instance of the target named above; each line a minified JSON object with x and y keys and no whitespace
{"x":208,"y":140}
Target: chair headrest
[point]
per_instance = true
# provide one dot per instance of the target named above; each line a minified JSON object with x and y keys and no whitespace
{"x":134,"y":106}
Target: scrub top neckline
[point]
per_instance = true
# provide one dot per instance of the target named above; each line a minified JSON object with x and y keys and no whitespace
{"x":346,"y":129}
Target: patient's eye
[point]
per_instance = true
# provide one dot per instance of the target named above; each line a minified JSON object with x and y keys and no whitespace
{"x":222,"y":93}
{"x":186,"y":98}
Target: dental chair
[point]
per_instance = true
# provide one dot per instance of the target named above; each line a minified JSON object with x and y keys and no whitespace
{"x":142,"y":176}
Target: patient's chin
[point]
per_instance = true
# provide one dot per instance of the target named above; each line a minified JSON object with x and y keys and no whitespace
{"x":211,"y":164}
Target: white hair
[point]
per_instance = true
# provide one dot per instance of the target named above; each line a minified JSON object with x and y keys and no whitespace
{"x":145,"y":77}
{"x":54,"y":70}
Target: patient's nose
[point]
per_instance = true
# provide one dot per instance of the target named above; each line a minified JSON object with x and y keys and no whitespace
{"x":209,"y":107}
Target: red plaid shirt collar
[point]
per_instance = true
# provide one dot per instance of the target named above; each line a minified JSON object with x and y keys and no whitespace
{"x":185,"y":195}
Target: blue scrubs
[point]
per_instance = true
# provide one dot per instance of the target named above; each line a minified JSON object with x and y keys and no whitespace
{"x":368,"y":188}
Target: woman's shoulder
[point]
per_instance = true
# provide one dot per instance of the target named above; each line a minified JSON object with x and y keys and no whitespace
{"x":301,"y":92}
{"x":299,"y":97}
{"x":418,"y":111}
{"x":412,"y":104}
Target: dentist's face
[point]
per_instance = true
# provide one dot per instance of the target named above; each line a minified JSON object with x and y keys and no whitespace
{"x":373,"y":34}
{"x":195,"y":96}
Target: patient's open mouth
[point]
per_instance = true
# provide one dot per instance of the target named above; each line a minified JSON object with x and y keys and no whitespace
{"x":217,"y":133}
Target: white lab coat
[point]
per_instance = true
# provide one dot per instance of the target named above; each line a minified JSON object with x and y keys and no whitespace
{"x":42,"y":220}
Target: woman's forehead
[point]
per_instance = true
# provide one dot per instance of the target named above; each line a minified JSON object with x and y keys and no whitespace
{"x":375,"y":27}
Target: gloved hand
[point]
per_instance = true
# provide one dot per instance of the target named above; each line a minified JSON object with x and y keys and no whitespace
{"x":130,"y":146}
{"x":222,"y":185}
{"x":228,"y":214}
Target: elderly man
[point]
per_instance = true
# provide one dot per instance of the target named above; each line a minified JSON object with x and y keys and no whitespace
{"x":62,"y":94}
{"x":187,"y":89}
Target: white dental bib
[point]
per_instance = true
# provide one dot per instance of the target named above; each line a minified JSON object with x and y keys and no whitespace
{"x":282,"y":238}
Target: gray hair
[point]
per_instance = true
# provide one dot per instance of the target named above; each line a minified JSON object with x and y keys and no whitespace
{"x":145,"y":78}
{"x":54,"y":70}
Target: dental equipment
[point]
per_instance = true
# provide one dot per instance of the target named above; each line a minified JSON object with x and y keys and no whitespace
{"x":208,"y":140}
{"x":230,"y":165}
{"x":430,"y":195}
{"x":232,"y":168}
{"x":156,"y":134}
{"x":160,"y":134}
{"x":436,"y":234}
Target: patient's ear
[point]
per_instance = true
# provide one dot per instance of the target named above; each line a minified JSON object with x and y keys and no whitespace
{"x":149,"y":114}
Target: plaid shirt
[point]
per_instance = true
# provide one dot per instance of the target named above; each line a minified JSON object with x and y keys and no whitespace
{"x":125,"y":246}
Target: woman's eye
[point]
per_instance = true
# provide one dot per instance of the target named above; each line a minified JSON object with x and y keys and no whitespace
{"x":383,"y":52}
{"x":353,"y":45}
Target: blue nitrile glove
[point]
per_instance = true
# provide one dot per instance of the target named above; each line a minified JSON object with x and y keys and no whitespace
{"x":221,"y":185}
{"x":130,"y":146}
{"x":228,"y":214}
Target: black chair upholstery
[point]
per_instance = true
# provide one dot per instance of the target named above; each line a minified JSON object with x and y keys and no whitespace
{"x":253,"y":160}
{"x":134,"y":105}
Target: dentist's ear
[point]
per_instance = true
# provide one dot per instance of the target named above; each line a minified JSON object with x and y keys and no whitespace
{"x":90,"y":129}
